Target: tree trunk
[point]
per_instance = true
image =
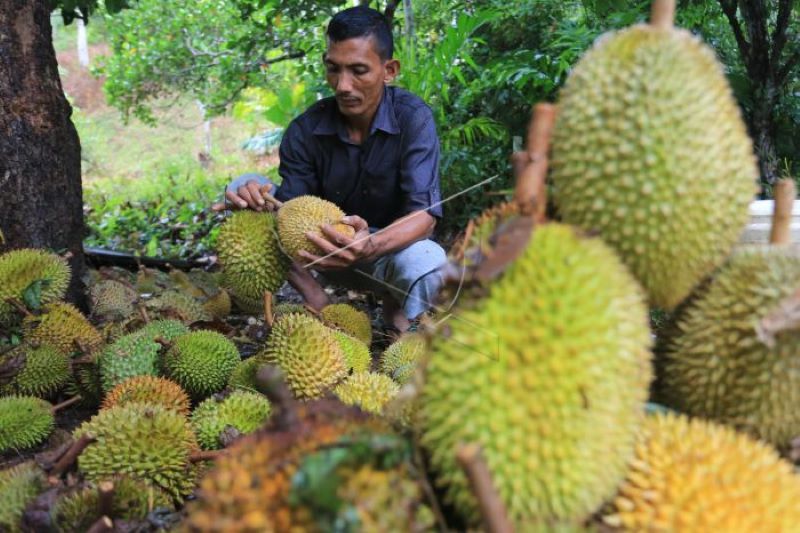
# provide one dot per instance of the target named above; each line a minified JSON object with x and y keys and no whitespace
{"x":762,"y":122}
{"x":41,"y":202}
{"x":83,"y":43}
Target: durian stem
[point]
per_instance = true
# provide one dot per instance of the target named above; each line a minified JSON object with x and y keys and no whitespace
{"x":205,"y":455}
{"x":480,"y":480}
{"x":269,"y":317}
{"x":145,"y":316}
{"x":103,"y":525}
{"x":433,"y":502}
{"x":269,"y":198}
{"x":68,"y":459}
{"x":19,"y":306}
{"x":662,"y":14}
{"x":105,"y":498}
{"x":65,"y":403}
{"x":530,"y":192}
{"x":781,"y":231}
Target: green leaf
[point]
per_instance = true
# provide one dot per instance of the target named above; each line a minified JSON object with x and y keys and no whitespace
{"x":32,"y":295}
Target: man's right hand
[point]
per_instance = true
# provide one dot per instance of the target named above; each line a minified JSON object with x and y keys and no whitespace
{"x":247,"y":196}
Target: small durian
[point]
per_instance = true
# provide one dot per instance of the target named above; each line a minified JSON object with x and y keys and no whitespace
{"x":356,"y":353}
{"x":179,"y":306}
{"x":307,"y":352}
{"x":112,"y":300}
{"x":61,"y":325}
{"x":244,"y":375}
{"x":19,"y":269}
{"x":367,"y":390}
{"x":25,"y":421}
{"x":347,"y":318}
{"x":241,"y":411}
{"x":19,"y":485}
{"x":149,"y":389}
{"x":44,"y":371}
{"x":218,"y":305}
{"x":400,"y":359}
{"x":285,"y":308}
{"x":304,"y":214}
{"x":201,"y":362}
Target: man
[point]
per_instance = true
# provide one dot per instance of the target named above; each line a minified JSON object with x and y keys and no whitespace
{"x":372,"y":149}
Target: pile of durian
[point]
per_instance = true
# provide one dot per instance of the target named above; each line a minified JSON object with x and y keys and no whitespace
{"x":536,"y":398}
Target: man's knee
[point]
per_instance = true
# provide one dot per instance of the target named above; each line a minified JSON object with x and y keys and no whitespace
{"x":414,"y":274}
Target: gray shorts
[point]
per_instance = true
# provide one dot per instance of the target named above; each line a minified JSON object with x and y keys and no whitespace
{"x":412,"y":276}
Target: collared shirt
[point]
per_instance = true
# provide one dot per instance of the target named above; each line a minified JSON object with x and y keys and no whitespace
{"x":393,"y":172}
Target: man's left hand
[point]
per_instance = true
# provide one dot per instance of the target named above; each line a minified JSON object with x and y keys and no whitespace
{"x":340,"y":251}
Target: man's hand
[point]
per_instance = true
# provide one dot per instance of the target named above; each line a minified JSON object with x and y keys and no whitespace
{"x":248,"y":196}
{"x":340,"y":251}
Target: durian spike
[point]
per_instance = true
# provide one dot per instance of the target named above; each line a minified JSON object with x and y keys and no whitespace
{"x":65,"y":403}
{"x":269,"y":317}
{"x":781,"y":231}
{"x":480,"y":480}
{"x":269,"y":198}
{"x":105,"y":498}
{"x":662,"y":14}
{"x":103,"y":525}
{"x":530,"y":192}
{"x":69,"y":457}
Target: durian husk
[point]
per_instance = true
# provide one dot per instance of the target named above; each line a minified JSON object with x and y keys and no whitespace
{"x":61,"y":325}
{"x":23,"y":267}
{"x":348,"y":319}
{"x":19,"y":485}
{"x":304,"y":214}
{"x":149,"y":389}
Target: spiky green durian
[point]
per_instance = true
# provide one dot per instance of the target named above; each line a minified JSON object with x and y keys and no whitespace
{"x":308,"y":353}
{"x":347,"y":318}
{"x":64,"y":327}
{"x":42,"y":371}
{"x":133,"y":500}
{"x":647,"y":132}
{"x":218,"y":305}
{"x":251,"y":306}
{"x":182,"y":280}
{"x":201,"y":362}
{"x":692,"y":475}
{"x":19,"y":269}
{"x":180,"y":306}
{"x":304,"y":214}
{"x":367,"y":390}
{"x":285,"y":308}
{"x":145,"y":441}
{"x":712,"y":363}
{"x":241,"y":411}
{"x":244,"y":375}
{"x":86,"y":380}
{"x":250,"y":254}
{"x":112,"y":300}
{"x":481,"y":229}
{"x":400,"y":359}
{"x":19,"y":485}
{"x":25,"y":421}
{"x":545,"y":385}
{"x":149,"y":389}
{"x":137,"y":353}
{"x":356,"y":353}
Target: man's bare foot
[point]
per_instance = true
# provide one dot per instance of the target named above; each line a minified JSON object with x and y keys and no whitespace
{"x":308,"y":287}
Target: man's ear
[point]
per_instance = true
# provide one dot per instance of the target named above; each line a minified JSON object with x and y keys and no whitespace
{"x":392,"y":68}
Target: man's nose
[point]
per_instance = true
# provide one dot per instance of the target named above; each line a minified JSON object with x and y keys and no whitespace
{"x":344,"y":83}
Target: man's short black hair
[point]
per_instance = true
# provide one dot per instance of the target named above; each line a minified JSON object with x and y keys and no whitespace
{"x":362,"y":21}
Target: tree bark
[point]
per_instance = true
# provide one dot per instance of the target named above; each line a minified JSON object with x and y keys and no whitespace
{"x":41,"y":201}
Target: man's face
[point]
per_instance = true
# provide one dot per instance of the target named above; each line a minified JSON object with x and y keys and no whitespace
{"x":357,"y":74}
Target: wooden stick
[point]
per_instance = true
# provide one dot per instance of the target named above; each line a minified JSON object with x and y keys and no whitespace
{"x":72,"y":454}
{"x":662,"y":14}
{"x":781,"y":231}
{"x":103,"y":525}
{"x":269,"y":198}
{"x":269,"y":317}
{"x":65,"y":403}
{"x":19,"y":306}
{"x":205,"y":455}
{"x":433,"y":502}
{"x":105,"y":498}
{"x":530,"y":192}
{"x":480,"y":480}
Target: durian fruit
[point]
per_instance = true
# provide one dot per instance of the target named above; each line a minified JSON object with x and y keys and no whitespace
{"x":545,"y":385}
{"x":44,"y":371}
{"x":400,"y":359}
{"x":201,"y":362}
{"x":307,"y":351}
{"x":21,"y":268}
{"x":250,"y":254}
{"x":356,"y":353}
{"x":86,"y":380}
{"x":482,"y":228}
{"x":347,"y":318}
{"x":218,"y":305}
{"x":61,"y":325}
{"x":251,"y":306}
{"x":112,"y":300}
{"x":368,"y":390}
{"x":304,"y":214}
{"x":19,"y":485}
{"x":146,"y":441}
{"x":242,"y":412}
{"x":711,"y":362}
{"x":182,"y":280}
{"x":149,"y":389}
{"x":180,"y":306}
{"x":137,"y":354}
{"x":690,"y":475}
{"x":25,"y":421}
{"x":286,"y":308}
{"x":650,"y":150}
{"x":133,"y":500}
{"x":244,"y":375}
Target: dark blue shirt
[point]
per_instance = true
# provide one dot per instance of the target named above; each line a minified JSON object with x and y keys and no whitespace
{"x":393,"y":172}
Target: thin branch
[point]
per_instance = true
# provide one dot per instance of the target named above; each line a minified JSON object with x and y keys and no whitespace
{"x":68,"y":459}
{"x":781,"y":25}
{"x":105,"y":498}
{"x":729,"y":8}
{"x":480,"y":480}
{"x":103,"y":525}
{"x":65,"y":403}
{"x":787,"y":68}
